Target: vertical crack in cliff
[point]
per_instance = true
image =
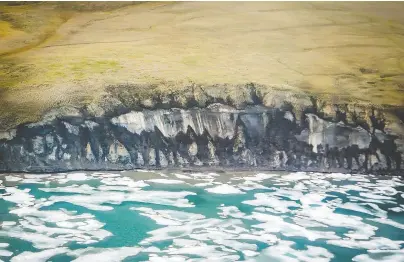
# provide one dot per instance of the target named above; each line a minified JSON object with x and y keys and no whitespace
{"x":216,"y":136}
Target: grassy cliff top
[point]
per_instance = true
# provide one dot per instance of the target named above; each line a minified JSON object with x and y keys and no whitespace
{"x":71,"y":53}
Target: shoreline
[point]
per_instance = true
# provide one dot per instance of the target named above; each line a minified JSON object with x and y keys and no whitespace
{"x":219,"y":171}
{"x":219,"y":137}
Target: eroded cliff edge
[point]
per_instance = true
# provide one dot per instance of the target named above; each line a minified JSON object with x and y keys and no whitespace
{"x":279,"y":135}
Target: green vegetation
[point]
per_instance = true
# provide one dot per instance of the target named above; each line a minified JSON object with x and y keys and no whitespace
{"x":75,"y":53}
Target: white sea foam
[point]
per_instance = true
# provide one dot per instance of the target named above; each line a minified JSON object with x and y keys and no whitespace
{"x":358,"y":178}
{"x":397,"y":209}
{"x":325,"y":215}
{"x":39,"y":256}
{"x":168,"y":217}
{"x":166,"y":181}
{"x":74,"y":189}
{"x":268,"y":200}
{"x":338,"y":176}
{"x":8,"y":224}
{"x":383,"y":255}
{"x":375,"y":196}
{"x":250,"y":185}
{"x":104,"y":254}
{"x":204,"y":176}
{"x":200,"y":229}
{"x":370,"y":209}
{"x":375,"y":243}
{"x":354,"y":188}
{"x":389,"y":222}
{"x":259,"y":177}
{"x":5,"y":253}
{"x":44,"y":228}
{"x":291,"y":194}
{"x":224,"y":189}
{"x":40,"y":176}
{"x":236,"y":245}
{"x":296,"y":176}
{"x":200,"y":249}
{"x":165,"y":258}
{"x":182,"y":176}
{"x":285,"y":253}
{"x":123,"y":181}
{"x":313,"y":206}
{"x":97,"y":200}
{"x":39,"y":240}
{"x":231,"y":211}
{"x":274,"y":224}
{"x":206,"y":184}
{"x":19,"y":196}
{"x":74,"y":177}
{"x":10,"y":178}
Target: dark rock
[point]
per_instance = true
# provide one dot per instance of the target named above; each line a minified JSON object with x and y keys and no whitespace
{"x":219,"y":135}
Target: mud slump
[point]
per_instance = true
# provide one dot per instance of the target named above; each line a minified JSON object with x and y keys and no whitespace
{"x":216,"y":136}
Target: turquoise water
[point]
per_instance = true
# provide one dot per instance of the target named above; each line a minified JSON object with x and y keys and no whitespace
{"x":154,"y":216}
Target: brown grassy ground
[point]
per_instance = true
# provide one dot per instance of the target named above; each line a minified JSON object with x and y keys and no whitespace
{"x":56,"y":54}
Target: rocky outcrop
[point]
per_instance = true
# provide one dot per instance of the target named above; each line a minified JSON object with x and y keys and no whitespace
{"x":277,"y":138}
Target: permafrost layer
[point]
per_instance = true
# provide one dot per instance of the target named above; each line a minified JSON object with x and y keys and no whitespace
{"x":219,"y":135}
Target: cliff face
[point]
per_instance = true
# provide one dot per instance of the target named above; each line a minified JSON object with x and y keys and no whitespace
{"x":276,"y":138}
{"x":282,"y":85}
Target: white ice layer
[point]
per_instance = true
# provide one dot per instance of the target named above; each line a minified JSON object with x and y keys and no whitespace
{"x":171,"y":122}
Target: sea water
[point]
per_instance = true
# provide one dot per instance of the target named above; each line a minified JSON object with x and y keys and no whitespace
{"x":188,"y":216}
